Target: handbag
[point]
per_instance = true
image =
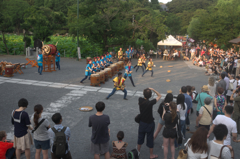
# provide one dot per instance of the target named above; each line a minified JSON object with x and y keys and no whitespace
{"x":138,"y":117}
{"x":183,"y":153}
{"x":231,"y":85}
{"x":220,"y":155}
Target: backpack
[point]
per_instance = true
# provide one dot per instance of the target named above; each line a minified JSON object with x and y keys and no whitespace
{"x":231,"y":85}
{"x":133,"y":154}
{"x":194,"y":100}
{"x":60,"y":144}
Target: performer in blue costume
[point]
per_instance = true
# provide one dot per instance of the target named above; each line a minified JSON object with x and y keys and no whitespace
{"x":128,"y":72}
{"x":88,"y":71}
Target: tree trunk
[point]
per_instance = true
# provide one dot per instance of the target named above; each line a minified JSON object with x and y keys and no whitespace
{"x":4,"y":41}
{"x":25,"y":43}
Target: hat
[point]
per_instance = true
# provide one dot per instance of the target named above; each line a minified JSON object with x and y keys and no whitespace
{"x":205,"y":88}
{"x":207,"y":100}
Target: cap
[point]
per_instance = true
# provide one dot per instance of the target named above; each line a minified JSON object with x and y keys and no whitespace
{"x":205,"y":88}
{"x":207,"y":100}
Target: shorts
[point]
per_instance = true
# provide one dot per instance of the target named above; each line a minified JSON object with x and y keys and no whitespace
{"x":161,"y":121}
{"x":143,"y":129}
{"x":99,"y":148}
{"x":23,"y":142}
{"x":44,"y":145}
{"x":169,"y":133}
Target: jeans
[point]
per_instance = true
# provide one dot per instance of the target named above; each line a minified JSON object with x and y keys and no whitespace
{"x":187,"y":119}
{"x":10,"y":152}
{"x":114,"y":90}
{"x":146,"y":71}
{"x":183,"y":130}
{"x":138,"y":68}
{"x":85,"y":78}
{"x":130,"y":77}
{"x":58,"y":65}
{"x":40,"y":68}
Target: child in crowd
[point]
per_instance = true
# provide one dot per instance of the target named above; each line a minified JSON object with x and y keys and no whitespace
{"x":119,"y":147}
{"x":6,"y":147}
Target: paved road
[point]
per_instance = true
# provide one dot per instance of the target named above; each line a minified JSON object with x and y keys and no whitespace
{"x":61,"y":91}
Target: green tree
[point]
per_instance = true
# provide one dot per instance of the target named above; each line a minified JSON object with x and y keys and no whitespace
{"x":173,"y":22}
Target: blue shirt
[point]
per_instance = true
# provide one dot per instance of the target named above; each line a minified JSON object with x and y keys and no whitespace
{"x":40,"y":60}
{"x":59,"y":128}
{"x":57,"y":57}
{"x":128,"y":54}
{"x":188,"y":101}
{"x":110,"y":56}
{"x":102,"y":60}
{"x":127,"y":68}
{"x":107,"y":57}
{"x":88,"y":71}
{"x":200,"y":98}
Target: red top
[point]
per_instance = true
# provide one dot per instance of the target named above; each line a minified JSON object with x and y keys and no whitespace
{"x":4,"y":146}
{"x":119,"y":81}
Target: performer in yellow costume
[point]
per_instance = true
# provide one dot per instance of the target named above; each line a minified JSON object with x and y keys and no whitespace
{"x":150,"y":67}
{"x":118,"y":85}
{"x":140,"y":61}
{"x":120,"y":54}
{"x":144,"y":60}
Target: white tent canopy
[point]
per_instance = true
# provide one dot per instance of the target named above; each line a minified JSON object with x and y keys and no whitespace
{"x":170,"y":41}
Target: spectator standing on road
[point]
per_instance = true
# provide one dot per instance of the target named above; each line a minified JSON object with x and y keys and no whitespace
{"x":170,"y":132}
{"x":221,"y":83}
{"x":236,"y":108}
{"x":21,"y":122}
{"x":57,"y":59}
{"x":197,"y":146}
{"x":58,"y":127}
{"x":220,"y":101}
{"x":40,"y":135}
{"x":182,"y":109}
{"x":165,"y":103}
{"x":226,"y":120}
{"x":6,"y":147}
{"x":40,"y":62}
{"x":214,"y":147}
{"x":233,"y":85}
{"x":146,"y":124}
{"x":100,"y":132}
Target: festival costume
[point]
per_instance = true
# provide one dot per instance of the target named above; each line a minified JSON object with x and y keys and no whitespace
{"x":40,"y":63}
{"x":139,"y":64}
{"x":120,"y":55}
{"x":119,"y":86}
{"x":127,"y":74}
{"x":57,"y":59}
{"x":149,"y":68}
{"x":102,"y":64}
{"x":143,"y":61}
{"x":88,"y":72}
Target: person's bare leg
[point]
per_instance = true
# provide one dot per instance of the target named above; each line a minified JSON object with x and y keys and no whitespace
{"x":151,"y":154}
{"x":107,"y":155}
{"x":172,"y":146}
{"x":139,"y":147}
{"x":96,"y":156}
{"x":18,"y":153}
{"x":37,"y":154}
{"x":159,"y":127}
{"x":165,"y":144}
{"x":27,"y":153}
{"x":45,"y":154}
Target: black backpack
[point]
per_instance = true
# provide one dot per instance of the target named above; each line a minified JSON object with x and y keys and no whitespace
{"x":60,"y":144}
{"x":133,"y":154}
{"x":196,"y":94}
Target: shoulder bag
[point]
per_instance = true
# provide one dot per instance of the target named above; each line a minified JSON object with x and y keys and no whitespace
{"x":38,"y":125}
{"x":220,"y":155}
{"x":208,"y":111}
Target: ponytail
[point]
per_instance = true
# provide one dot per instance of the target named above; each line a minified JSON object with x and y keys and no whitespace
{"x":38,"y":110}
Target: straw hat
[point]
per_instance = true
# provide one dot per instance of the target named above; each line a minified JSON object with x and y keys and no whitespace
{"x":205,"y":88}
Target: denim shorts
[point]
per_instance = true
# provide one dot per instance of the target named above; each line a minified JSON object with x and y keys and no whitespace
{"x":44,"y":145}
{"x":161,"y":121}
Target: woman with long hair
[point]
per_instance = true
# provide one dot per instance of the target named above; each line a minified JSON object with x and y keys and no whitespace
{"x":40,"y":135}
{"x":197,"y":145}
{"x":165,"y":103}
{"x":169,"y":133}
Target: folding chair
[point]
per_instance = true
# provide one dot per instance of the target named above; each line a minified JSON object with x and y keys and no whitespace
{"x":17,"y":68}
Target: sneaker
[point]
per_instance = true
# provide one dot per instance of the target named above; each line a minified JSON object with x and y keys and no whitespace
{"x":107,"y":98}
{"x":81,"y":82}
{"x":125,"y":98}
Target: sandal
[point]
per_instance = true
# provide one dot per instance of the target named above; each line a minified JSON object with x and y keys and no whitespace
{"x":155,"y":156}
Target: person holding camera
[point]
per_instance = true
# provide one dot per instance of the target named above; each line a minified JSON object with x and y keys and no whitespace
{"x":236,"y":107}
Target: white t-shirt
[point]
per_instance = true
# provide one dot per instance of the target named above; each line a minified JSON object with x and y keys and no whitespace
{"x":229,"y":92}
{"x":192,"y":155}
{"x":231,"y":125}
{"x":215,"y":148}
{"x":182,"y":112}
{"x":235,"y":63}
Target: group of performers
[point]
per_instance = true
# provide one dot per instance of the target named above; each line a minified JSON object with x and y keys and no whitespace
{"x":98,"y":63}
{"x":119,"y":81}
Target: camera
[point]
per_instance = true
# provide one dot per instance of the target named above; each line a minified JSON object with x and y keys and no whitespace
{"x":166,"y":107}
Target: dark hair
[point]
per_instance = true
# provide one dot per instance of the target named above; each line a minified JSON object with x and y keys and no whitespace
{"x":181,"y":100}
{"x":220,"y":131}
{"x":189,"y":89}
{"x":100,"y":106}
{"x":229,"y":109}
{"x":119,"y":73}
{"x":120,"y":135}
{"x":2,"y":135}
{"x":56,"y":118}
{"x":168,"y":98}
{"x":23,"y":102}
{"x":220,"y":90}
{"x":173,"y":107}
{"x":147,"y":93}
{"x":222,"y":75}
{"x":184,"y":89}
{"x":198,"y":142}
{"x":37,"y":109}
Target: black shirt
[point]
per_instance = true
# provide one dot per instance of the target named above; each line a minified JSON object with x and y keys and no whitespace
{"x":168,"y":120}
{"x":20,"y":120}
{"x":145,"y":107}
{"x":160,"y":109}
{"x":99,"y":126}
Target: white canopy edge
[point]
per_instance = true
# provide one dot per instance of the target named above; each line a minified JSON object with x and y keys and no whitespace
{"x":170,"y":41}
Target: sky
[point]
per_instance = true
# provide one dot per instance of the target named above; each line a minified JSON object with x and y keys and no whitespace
{"x":164,"y":1}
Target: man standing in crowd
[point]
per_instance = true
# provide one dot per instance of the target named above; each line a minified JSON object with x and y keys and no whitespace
{"x":226,"y":120}
{"x":100,"y":132}
{"x":222,"y":82}
{"x":146,"y":124}
{"x":192,"y":53}
{"x":226,"y":79}
{"x":236,"y":108}
{"x":53,"y":134}
{"x":40,"y":62}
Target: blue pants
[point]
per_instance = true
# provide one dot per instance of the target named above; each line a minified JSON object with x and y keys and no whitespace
{"x":146,"y":72}
{"x":10,"y":152}
{"x":183,"y":130}
{"x":85,"y":78}
{"x":40,"y":68}
{"x":130,"y":77}
{"x":138,"y":68}
{"x":114,"y":90}
{"x":58,"y":65}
